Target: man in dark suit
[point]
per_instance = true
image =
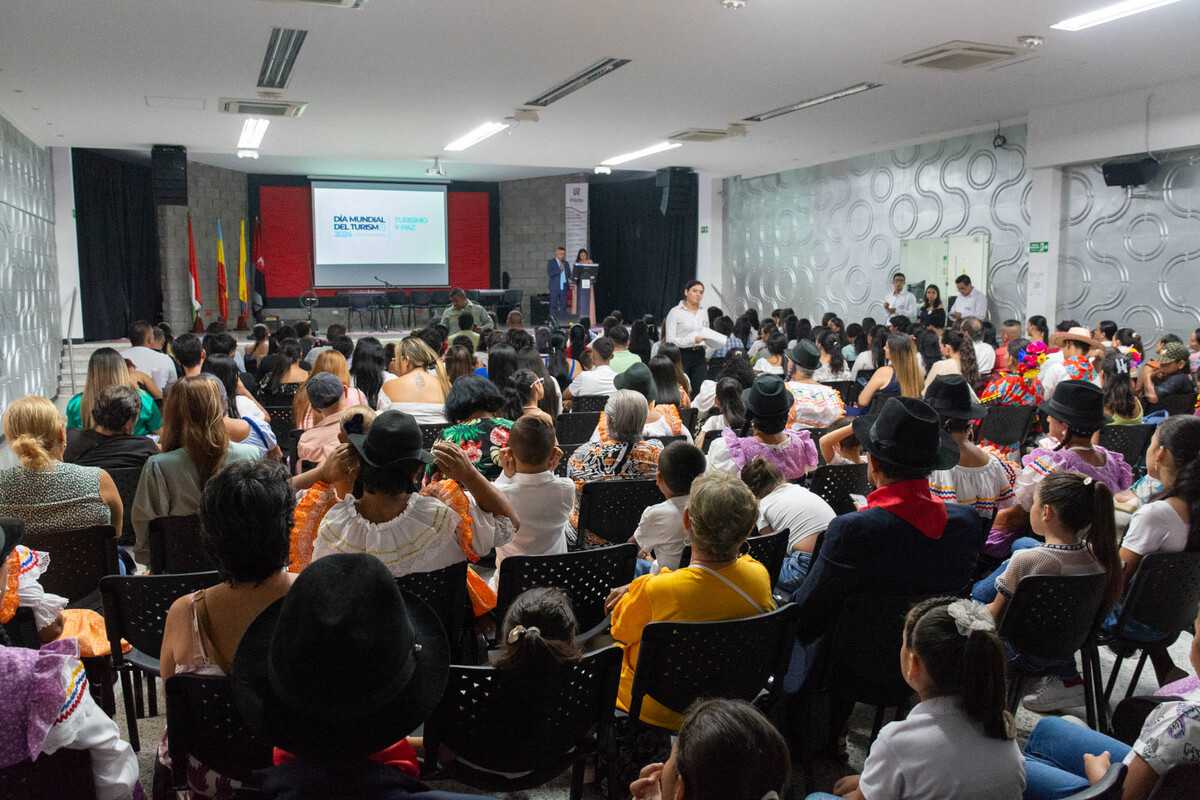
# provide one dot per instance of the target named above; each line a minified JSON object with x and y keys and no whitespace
{"x":558,"y":270}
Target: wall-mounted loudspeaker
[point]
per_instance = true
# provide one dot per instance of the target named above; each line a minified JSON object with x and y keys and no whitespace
{"x":1130,"y":172}
{"x":675,"y":188}
{"x":168,"y":175}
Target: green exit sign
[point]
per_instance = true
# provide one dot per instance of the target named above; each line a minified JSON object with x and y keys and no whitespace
{"x":704,"y":229}
{"x":1039,"y":247}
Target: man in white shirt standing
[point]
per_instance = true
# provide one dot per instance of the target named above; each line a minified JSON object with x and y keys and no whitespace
{"x":146,"y":354}
{"x":598,"y":379}
{"x":900,"y":302}
{"x":970,"y":302}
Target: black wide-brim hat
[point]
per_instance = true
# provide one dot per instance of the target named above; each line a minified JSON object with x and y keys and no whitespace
{"x":334,"y":680}
{"x":907,"y":433}
{"x":768,"y":397}
{"x":950,"y":396}
{"x":1080,"y":404}
{"x":393,"y":442}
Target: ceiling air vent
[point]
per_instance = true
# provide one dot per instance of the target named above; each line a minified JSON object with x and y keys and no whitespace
{"x":263,"y":108}
{"x":960,"y":56}
{"x":282,"y":49}
{"x":699,"y":135}
{"x":576,"y":82}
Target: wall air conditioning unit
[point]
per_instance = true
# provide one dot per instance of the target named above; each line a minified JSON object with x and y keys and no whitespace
{"x":960,"y":56}
{"x":263,"y":108}
{"x":326,"y":3}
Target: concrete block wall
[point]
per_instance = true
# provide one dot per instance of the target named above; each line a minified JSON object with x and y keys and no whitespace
{"x":532,"y":224}
{"x":213,"y":193}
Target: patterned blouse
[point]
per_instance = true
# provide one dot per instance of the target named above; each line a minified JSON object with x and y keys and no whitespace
{"x":1012,"y":390}
{"x":481,"y":440}
{"x":598,"y":461}
{"x":63,"y":497}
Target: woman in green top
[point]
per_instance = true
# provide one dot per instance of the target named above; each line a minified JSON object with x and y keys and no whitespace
{"x":107,"y":368}
{"x":471,"y":408}
{"x":1116,"y":378}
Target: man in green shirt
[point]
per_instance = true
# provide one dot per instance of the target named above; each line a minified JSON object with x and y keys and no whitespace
{"x":622,"y":359}
{"x":460,"y":303}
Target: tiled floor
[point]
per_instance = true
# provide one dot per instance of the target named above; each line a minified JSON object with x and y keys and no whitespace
{"x":151,"y":732}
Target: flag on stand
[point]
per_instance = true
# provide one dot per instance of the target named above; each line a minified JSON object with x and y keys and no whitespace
{"x":193,"y":271}
{"x":243,"y":290}
{"x":222,"y":287}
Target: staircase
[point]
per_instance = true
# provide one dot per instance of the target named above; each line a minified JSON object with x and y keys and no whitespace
{"x":73,"y":362}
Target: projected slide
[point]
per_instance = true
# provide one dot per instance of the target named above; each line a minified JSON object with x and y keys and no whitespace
{"x":394,"y":231}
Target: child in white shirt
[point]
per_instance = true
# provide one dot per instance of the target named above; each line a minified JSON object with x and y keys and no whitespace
{"x":542,"y":500}
{"x":661,"y":530}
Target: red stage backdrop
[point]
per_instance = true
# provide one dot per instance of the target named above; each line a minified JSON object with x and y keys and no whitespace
{"x":286,"y":213}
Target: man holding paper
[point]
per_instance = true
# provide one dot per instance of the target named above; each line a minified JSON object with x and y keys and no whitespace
{"x":686,"y":326}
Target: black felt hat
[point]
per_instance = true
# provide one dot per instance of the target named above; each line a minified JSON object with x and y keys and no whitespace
{"x":344,"y":665}
{"x":638,"y":378}
{"x":392,"y":443}
{"x":907,"y":433}
{"x":950,"y":396}
{"x":806,"y":355}
{"x":768,"y":396}
{"x":1080,"y":404}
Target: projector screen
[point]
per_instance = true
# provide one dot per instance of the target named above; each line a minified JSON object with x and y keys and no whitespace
{"x":392,"y":231}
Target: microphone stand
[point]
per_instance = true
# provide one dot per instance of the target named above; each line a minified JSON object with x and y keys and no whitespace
{"x":383,"y":319}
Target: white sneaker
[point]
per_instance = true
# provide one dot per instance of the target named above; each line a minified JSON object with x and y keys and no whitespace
{"x":1054,"y":696}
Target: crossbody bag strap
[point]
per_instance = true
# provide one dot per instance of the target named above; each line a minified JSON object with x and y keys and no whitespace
{"x":742,"y":592}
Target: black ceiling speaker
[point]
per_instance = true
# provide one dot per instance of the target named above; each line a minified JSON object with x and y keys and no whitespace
{"x":676,"y":187}
{"x":168,"y":176}
{"x":1130,"y":172}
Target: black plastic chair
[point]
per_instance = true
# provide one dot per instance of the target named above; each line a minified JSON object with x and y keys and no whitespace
{"x":576,"y":427}
{"x":176,"y":546}
{"x":290,"y":444}
{"x":585,"y":576}
{"x":64,"y":774}
{"x":127,"y":482}
{"x":1163,"y":596}
{"x":1179,"y":783}
{"x":431,"y":432}
{"x":1107,"y":788}
{"x":1131,"y":441}
{"x":612,"y":509}
{"x":445,"y":592}
{"x":438,"y":300}
{"x":397,"y":301}
{"x":1053,"y":617}
{"x":22,"y":629}
{"x":589,"y":402}
{"x":847,"y":389}
{"x":496,"y":722}
{"x":688,"y":417}
{"x":743,"y":659}
{"x":79,"y":558}
{"x":362,"y":305}
{"x":283,"y":420}
{"x":835,"y":483}
{"x":418,"y":301}
{"x":1006,"y":425}
{"x":769,"y":549}
{"x":135,"y":609}
{"x":203,"y":722}
{"x":667,"y":441}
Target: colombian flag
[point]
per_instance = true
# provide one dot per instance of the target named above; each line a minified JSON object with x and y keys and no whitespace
{"x":192,"y":270}
{"x":222,"y":288}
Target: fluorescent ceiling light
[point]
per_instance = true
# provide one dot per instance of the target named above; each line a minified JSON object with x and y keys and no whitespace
{"x":602,"y":170}
{"x":1116,"y":11}
{"x":857,"y":88}
{"x":636,"y":154}
{"x":247,"y":154}
{"x":253,"y":131}
{"x":476,"y":136}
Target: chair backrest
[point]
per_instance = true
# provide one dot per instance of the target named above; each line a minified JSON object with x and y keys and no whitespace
{"x":445,"y":592}
{"x":205,"y":724}
{"x":1108,"y":787}
{"x":847,"y":389}
{"x":576,"y":427}
{"x":667,"y":441}
{"x":589,"y":402}
{"x":586,"y":576}
{"x":358,"y":301}
{"x":1164,"y":593}
{"x":79,"y":558}
{"x":688,"y":417}
{"x":1179,"y":404}
{"x":1007,"y":424}
{"x":835,"y":483}
{"x":397,"y":297}
{"x":1131,"y":441}
{"x":769,"y":550}
{"x":176,"y":546}
{"x":681,"y":662}
{"x":1179,"y":783}
{"x":283,"y":421}
{"x":864,"y":650}
{"x":65,"y":773}
{"x":440,"y":297}
{"x":612,"y":509}
{"x":135,"y":606}
{"x":1052,"y":616}
{"x":419,"y":298}
{"x":126,"y":480}
{"x":22,"y":629}
{"x":505,"y":721}
{"x":431,"y":432}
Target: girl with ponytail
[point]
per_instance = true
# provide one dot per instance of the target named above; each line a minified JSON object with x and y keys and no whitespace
{"x":522,"y":396}
{"x":958,"y":357}
{"x":958,"y":741}
{"x":539,"y":634}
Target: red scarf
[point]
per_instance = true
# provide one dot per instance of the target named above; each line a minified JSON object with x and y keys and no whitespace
{"x":400,"y":755}
{"x":912,"y":502}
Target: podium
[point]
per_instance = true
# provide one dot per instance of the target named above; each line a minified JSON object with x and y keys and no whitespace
{"x":584,"y":277}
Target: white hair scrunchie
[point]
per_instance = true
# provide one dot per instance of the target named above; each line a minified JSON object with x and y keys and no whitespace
{"x":969,"y":615}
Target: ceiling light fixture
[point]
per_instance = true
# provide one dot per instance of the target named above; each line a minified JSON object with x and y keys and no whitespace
{"x":253,"y":131}
{"x":577,"y":81}
{"x":734,"y":3}
{"x":1116,"y":11}
{"x":436,"y":170}
{"x":636,"y":154}
{"x":849,"y":91}
{"x":247,"y":154}
{"x":476,"y":136}
{"x":603,"y":170}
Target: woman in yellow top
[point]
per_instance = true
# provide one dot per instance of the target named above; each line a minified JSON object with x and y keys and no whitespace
{"x":718,"y":584}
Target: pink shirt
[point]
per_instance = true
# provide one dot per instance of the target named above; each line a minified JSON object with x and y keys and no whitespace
{"x":318,"y":442}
